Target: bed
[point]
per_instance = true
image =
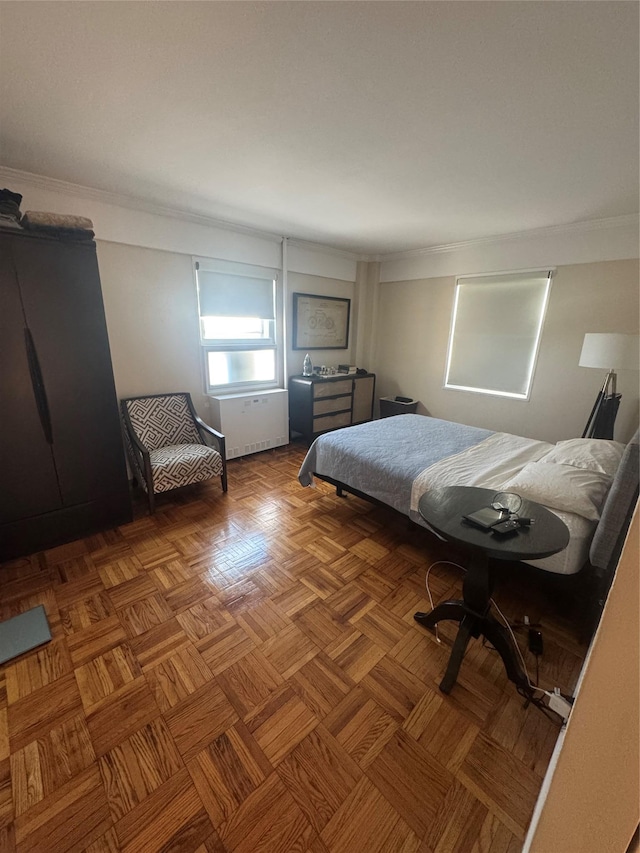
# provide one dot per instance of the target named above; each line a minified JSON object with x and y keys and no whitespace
{"x":395,"y":460}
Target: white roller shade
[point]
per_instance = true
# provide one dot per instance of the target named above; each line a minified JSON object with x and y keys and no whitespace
{"x":495,"y":332}
{"x":228,"y":295}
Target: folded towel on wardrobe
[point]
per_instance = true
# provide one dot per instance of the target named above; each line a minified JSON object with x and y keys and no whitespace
{"x":41,"y":219}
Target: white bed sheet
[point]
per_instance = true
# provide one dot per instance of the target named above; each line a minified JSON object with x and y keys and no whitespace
{"x":491,"y":464}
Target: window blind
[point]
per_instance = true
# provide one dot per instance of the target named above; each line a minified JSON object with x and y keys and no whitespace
{"x":497,"y":321}
{"x":223,"y":294}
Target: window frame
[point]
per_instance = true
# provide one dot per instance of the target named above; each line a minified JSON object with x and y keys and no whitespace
{"x":540,"y":272}
{"x":274,"y":343}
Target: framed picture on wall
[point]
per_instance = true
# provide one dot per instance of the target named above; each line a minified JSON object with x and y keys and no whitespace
{"x":320,"y":322}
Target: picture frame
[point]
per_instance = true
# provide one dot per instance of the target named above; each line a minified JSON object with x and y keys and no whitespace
{"x":320,"y":322}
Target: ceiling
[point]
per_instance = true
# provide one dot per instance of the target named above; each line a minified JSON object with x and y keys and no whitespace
{"x":370,"y":126}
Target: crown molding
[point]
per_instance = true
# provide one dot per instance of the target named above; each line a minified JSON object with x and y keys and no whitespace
{"x":623,"y":221}
{"x":131,"y":202}
{"x":139,"y":204}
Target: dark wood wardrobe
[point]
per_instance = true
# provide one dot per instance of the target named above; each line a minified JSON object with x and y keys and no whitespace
{"x":62,"y":466}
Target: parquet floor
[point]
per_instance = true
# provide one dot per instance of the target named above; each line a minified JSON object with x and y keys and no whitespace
{"x":242,"y":672}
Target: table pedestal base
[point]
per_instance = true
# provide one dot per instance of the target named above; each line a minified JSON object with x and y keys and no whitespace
{"x":474,"y":625}
{"x":445,"y":511}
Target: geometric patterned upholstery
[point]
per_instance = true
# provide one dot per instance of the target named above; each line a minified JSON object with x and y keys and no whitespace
{"x":159,"y":421}
{"x":182,"y":464}
{"x":165,"y":441}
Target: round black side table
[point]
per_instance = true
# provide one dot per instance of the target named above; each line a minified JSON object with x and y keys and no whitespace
{"x":443,"y":511}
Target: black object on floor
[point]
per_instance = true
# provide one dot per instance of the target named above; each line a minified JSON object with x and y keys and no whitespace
{"x":536,"y":645}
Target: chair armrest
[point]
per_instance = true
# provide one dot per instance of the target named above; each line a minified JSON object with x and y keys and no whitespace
{"x":135,"y":448}
{"x":218,"y":436}
{"x":137,"y":444}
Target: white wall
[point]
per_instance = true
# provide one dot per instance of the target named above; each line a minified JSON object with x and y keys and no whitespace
{"x":399,"y":328}
{"x":152,"y":319}
{"x":320,"y":286}
{"x":145,"y":258}
{"x":321,"y":261}
{"x":591,"y":795}
{"x":118,"y":219}
{"x":411,"y":342}
{"x":581,"y":243}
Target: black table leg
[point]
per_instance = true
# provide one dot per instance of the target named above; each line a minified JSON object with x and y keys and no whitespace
{"x":473,"y":615}
{"x":452,"y":610}
{"x":463,"y":636}
{"x":502,"y":642}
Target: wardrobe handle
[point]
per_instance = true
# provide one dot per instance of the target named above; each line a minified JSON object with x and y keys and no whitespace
{"x":38,"y":386}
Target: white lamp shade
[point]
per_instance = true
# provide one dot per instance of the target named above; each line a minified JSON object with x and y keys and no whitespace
{"x":610,"y":351}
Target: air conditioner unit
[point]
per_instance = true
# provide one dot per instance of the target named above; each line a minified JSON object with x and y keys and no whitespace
{"x":251,"y":422}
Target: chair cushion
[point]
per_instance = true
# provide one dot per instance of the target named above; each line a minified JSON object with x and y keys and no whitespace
{"x":161,"y":421}
{"x":180,"y":464}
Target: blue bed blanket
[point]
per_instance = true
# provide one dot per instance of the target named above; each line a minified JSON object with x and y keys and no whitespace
{"x":382,"y":458}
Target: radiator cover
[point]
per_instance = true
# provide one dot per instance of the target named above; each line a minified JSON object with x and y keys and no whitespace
{"x":251,"y":422}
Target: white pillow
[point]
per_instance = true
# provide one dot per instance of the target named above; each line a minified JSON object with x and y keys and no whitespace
{"x":564,"y":487}
{"x":595,"y":454}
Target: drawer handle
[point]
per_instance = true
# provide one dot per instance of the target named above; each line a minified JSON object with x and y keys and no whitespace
{"x":39,"y":391}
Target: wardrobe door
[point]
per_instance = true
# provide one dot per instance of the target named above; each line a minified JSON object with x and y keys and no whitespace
{"x":28,"y":480}
{"x":62,"y":299}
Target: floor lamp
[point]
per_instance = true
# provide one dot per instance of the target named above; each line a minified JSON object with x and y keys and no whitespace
{"x":609,"y":352}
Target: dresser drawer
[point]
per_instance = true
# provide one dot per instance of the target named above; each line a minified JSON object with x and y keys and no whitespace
{"x":332,"y":421}
{"x":319,"y":404}
{"x":330,"y":389}
{"x":333,"y":404}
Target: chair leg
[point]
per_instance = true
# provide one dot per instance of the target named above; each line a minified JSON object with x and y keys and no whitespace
{"x":223,"y":478}
{"x":148,"y":476}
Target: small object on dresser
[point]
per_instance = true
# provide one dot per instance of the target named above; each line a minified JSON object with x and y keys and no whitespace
{"x":307,"y":367}
{"x":347,"y":368}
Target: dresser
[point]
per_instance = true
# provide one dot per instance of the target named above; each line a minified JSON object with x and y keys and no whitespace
{"x":318,"y":404}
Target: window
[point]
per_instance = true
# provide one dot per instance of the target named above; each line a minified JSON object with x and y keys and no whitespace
{"x":238,"y":325}
{"x":495,"y":332}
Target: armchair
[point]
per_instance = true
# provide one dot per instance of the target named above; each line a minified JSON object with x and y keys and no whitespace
{"x":169,"y":445}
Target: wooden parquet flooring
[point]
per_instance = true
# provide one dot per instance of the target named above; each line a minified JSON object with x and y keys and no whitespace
{"x":242,"y":672}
